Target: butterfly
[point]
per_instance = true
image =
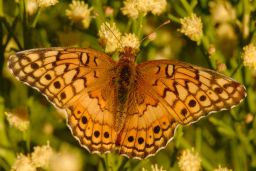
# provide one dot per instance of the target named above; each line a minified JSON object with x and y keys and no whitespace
{"x":120,"y":105}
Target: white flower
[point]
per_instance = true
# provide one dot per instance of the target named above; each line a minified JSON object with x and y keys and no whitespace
{"x":221,"y":67}
{"x":130,"y":40}
{"x":222,"y":11}
{"x":189,"y":161}
{"x":18,"y":119}
{"x":109,"y":11}
{"x":110,"y":37}
{"x":158,"y":7}
{"x":130,"y":9}
{"x":31,"y":7}
{"x":144,"y":6}
{"x":222,"y":169}
{"x":79,"y":12}
{"x":249,"y":118}
{"x":192,"y":27}
{"x":66,"y":161}
{"x":46,"y":3}
{"x":23,"y":163}
{"x":249,"y":56}
{"x":211,"y":49}
{"x":154,"y":167}
{"x":41,"y":156}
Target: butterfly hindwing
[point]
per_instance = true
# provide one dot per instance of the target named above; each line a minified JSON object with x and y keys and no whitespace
{"x":149,"y":126}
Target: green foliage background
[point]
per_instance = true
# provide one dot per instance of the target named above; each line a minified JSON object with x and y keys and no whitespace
{"x":225,"y":138}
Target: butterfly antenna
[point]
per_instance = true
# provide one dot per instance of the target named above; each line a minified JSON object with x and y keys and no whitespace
{"x":97,"y":14}
{"x":147,"y":36}
{"x":114,"y":35}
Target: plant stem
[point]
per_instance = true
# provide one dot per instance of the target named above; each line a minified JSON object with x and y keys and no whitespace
{"x":98,"y":8}
{"x":186,"y":5}
{"x":204,"y":47}
{"x":33,"y":25}
{"x":173,"y":18}
{"x":246,"y":18}
{"x":237,"y":68}
{"x":1,"y":8}
{"x":103,"y":161}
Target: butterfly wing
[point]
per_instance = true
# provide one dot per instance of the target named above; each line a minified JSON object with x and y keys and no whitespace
{"x":190,"y":91}
{"x":168,"y":93}
{"x":148,"y":127}
{"x":76,"y":80}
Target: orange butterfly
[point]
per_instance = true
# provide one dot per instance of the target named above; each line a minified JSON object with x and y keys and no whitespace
{"x":122,"y":105}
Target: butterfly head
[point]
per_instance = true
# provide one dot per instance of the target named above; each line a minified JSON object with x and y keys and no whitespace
{"x":128,"y":53}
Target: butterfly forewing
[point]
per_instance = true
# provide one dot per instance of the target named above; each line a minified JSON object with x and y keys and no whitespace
{"x":190,"y":92}
{"x":73,"y":79}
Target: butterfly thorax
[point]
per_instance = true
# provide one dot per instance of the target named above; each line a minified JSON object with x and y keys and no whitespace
{"x":124,"y":83}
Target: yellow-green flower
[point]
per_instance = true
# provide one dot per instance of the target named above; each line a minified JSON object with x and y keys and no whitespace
{"x":130,"y":40}
{"x":23,"y":163}
{"x":249,"y":56}
{"x":66,"y":160}
{"x":154,"y":167}
{"x":46,"y":3}
{"x":79,"y":12}
{"x":189,"y":160}
{"x":133,"y":8}
{"x":222,"y":169}
{"x":222,"y":11}
{"x":41,"y":156}
{"x":158,"y":7}
{"x":130,"y":9}
{"x":31,"y":6}
{"x":192,"y":27}
{"x":18,"y":119}
{"x":110,"y":37}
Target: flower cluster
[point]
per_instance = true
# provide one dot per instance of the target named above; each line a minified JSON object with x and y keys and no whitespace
{"x":112,"y":39}
{"x":222,"y":169}
{"x":42,"y":155}
{"x":249,"y":56}
{"x":79,"y":12}
{"x":154,"y":167}
{"x":18,"y":119}
{"x":38,"y":159}
{"x":33,"y":5}
{"x":141,"y":7}
{"x":66,"y":161}
{"x":130,"y":40}
{"x":222,"y":11}
{"x":46,"y":3}
{"x":23,"y":163}
{"x":189,"y":161}
{"x":192,"y":27}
